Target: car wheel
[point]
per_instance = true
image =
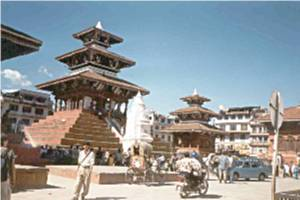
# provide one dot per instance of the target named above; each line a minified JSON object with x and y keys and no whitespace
{"x":236,"y":176}
{"x":261,"y":177}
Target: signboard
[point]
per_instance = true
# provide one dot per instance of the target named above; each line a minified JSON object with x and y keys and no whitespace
{"x":276,"y":110}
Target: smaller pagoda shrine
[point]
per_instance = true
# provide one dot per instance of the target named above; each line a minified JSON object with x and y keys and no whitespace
{"x":193,"y":131}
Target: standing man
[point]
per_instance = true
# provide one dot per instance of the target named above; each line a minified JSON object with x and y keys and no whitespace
{"x":223,"y":167}
{"x":7,"y":169}
{"x":86,"y":160}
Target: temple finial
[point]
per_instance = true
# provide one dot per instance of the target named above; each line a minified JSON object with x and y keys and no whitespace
{"x":99,"y":25}
{"x":195,"y":92}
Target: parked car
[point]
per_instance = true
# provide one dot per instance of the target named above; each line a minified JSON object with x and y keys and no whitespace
{"x":250,"y":168}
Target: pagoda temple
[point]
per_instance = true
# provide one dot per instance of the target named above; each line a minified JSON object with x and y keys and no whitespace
{"x":193,"y":132}
{"x":91,"y":101}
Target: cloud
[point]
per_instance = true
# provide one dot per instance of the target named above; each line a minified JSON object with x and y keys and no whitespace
{"x":16,"y":78}
{"x":44,"y":70}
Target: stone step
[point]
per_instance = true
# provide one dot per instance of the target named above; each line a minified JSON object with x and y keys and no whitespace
{"x":84,"y":122}
{"x":90,"y":131}
{"x":89,"y":127}
{"x":92,"y":137}
{"x":102,"y":144}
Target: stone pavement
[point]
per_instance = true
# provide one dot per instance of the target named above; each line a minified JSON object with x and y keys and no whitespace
{"x":61,"y":189}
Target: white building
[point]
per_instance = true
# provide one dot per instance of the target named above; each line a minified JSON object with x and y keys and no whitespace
{"x":238,"y":123}
{"x":259,"y":137}
{"x":157,"y":122}
{"x":23,"y":107}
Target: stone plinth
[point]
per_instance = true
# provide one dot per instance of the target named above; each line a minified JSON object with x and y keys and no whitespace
{"x":101,"y":174}
{"x":31,"y":177}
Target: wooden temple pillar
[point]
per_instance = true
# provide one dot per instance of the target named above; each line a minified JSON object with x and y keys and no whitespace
{"x":55,"y":104}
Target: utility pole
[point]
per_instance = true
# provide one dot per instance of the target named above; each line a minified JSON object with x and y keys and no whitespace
{"x":276,"y":114}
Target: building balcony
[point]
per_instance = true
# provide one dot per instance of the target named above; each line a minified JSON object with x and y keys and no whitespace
{"x":259,"y":143}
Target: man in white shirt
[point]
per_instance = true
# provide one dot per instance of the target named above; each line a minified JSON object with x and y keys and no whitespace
{"x":86,"y":160}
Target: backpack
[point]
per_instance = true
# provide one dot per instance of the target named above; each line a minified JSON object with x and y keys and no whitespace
{"x":4,"y":165}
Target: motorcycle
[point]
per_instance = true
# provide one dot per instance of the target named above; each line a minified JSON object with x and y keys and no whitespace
{"x":194,"y":182}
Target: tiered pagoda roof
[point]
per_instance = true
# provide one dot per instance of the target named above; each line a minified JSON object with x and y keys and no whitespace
{"x":193,"y":118}
{"x":97,"y":81}
{"x":195,"y":111}
{"x":94,"y":68}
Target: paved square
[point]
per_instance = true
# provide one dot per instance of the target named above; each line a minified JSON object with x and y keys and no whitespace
{"x":61,"y":189}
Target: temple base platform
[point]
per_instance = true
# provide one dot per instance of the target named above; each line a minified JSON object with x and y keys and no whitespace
{"x":28,"y":177}
{"x":101,"y":174}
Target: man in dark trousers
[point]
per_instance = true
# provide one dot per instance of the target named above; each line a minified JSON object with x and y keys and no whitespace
{"x":7,"y":169}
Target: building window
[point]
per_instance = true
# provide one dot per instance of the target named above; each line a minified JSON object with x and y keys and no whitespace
{"x":39,"y":111}
{"x":244,"y":127}
{"x":226,"y":117}
{"x":231,"y":138}
{"x":156,"y":127}
{"x":25,"y":121}
{"x":12,"y":120}
{"x":26,"y":109}
{"x":243,"y":136}
{"x":232,"y":117}
{"x":162,"y":137}
{"x":13,"y":107}
{"x":40,"y":99}
{"x":28,"y":97}
{"x":240,"y":116}
{"x":222,"y":126}
{"x":169,"y":138}
{"x":222,"y":138}
{"x":232,"y":127}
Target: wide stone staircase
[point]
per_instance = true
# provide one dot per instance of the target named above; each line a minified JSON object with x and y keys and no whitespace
{"x":71,"y":128}
{"x":91,"y":128}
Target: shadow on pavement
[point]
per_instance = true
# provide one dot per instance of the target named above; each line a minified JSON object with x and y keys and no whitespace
{"x":211,"y":196}
{"x":107,"y":198}
{"x":159,"y":184}
{"x":16,"y":190}
{"x":207,"y":196}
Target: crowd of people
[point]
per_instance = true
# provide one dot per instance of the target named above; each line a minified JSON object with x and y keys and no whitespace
{"x":220,"y":163}
{"x":290,"y":170}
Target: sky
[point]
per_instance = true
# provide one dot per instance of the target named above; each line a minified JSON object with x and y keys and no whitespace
{"x":235,"y":53}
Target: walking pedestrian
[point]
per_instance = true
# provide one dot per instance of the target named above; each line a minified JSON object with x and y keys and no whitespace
{"x":286,"y":169}
{"x":7,"y":169}
{"x":86,"y":160}
{"x":223,"y":167}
